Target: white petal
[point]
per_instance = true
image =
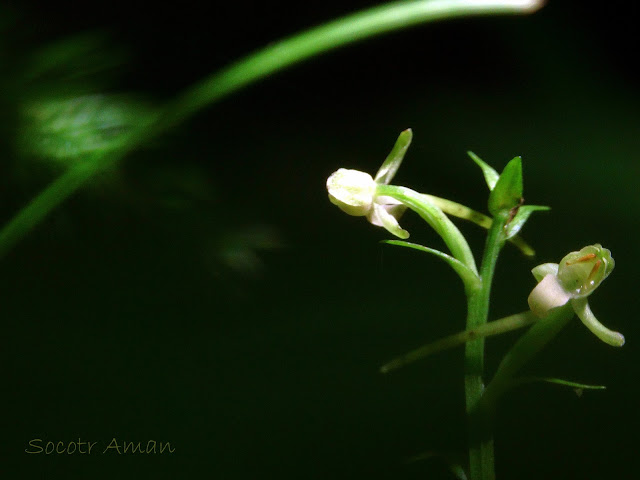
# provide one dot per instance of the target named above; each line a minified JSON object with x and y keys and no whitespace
{"x":351,"y":190}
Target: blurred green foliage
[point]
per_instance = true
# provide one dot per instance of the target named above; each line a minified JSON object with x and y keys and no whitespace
{"x":68,"y":130}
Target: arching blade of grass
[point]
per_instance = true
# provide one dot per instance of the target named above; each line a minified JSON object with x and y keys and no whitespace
{"x":264,"y":62}
{"x":343,"y":31}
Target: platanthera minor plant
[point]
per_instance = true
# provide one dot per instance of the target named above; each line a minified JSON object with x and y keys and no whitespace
{"x":561,"y":292}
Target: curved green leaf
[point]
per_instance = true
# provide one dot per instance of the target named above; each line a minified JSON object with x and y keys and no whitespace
{"x":435,"y":218}
{"x":516,"y":224}
{"x":470,"y":279}
{"x":557,"y":381}
{"x":394,"y":159}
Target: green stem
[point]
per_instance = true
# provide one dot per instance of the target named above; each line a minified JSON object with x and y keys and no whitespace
{"x":264,"y":62}
{"x":436,"y":219}
{"x":481,"y":461}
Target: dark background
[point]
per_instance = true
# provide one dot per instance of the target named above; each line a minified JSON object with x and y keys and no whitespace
{"x":206,"y":293}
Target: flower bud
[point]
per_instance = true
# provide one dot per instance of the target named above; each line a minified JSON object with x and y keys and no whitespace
{"x":580,"y":273}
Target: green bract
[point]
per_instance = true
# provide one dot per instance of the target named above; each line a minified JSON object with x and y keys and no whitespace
{"x":506,"y":195}
{"x":507,"y":191}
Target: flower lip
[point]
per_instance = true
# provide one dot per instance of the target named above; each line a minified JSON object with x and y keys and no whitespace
{"x":385,"y":213}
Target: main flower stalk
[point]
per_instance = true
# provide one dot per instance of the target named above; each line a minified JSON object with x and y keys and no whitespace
{"x":481,"y":456}
{"x":360,"y":194}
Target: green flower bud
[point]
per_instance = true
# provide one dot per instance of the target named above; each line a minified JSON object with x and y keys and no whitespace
{"x":580,"y":273}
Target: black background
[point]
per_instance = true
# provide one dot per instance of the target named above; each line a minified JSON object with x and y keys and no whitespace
{"x":124,"y":318}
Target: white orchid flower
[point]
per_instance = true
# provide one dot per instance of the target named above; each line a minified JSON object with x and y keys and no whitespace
{"x":356,"y":192}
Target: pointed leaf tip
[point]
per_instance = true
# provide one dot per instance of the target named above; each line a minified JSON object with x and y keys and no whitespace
{"x":508,"y":189}
{"x":490,"y":174}
{"x":394,"y":159}
{"x":559,"y":381}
